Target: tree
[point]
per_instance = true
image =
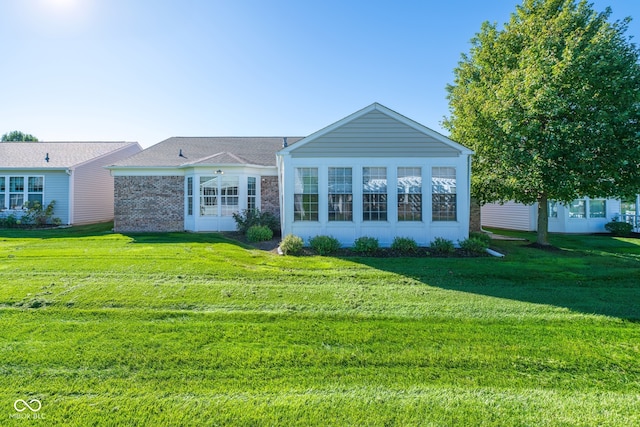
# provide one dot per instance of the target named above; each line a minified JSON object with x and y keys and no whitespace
{"x":551,"y":105}
{"x":18,"y":136}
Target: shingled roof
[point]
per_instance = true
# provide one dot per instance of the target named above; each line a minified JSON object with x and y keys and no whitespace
{"x":53,"y":155}
{"x":191,"y":151}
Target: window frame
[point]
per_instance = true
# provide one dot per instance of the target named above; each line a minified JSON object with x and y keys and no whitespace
{"x":441,"y":199}
{"x":409,"y":197}
{"x":306,"y":204}
{"x":340,"y":201}
{"x":377,"y":197}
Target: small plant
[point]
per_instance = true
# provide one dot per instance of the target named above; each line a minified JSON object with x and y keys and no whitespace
{"x":8,"y":221}
{"x":442,"y":246}
{"x":366,"y":245}
{"x":291,"y":245}
{"x":619,"y":228}
{"x":250,"y":217}
{"x":259,"y":233}
{"x":482,"y":236}
{"x":404,"y":245}
{"x":325,"y":245}
{"x":474,"y":245}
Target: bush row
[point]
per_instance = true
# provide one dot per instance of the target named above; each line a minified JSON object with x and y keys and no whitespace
{"x":476,"y":244}
{"x":32,"y":215}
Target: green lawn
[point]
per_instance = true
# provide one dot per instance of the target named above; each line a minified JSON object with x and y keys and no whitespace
{"x":193,"y":329}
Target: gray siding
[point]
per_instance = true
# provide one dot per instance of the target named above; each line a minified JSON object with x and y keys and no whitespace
{"x":93,"y":188}
{"x":375,"y":135}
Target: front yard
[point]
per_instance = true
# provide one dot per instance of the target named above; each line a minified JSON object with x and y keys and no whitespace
{"x":195,"y":329}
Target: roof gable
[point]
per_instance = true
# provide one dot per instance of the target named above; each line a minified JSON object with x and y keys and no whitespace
{"x":54,"y":155}
{"x":376,"y":131}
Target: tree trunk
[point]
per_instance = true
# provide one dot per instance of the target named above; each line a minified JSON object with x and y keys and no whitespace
{"x":543,"y":221}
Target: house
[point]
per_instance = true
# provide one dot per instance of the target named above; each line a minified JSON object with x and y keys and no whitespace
{"x":70,"y":173}
{"x":585,"y":215}
{"x":374,"y":173}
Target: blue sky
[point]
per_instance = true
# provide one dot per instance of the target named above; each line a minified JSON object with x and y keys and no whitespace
{"x":146,"y":70}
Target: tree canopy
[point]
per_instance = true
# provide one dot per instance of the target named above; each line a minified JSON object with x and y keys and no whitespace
{"x":551,"y":105}
{"x":18,"y":136}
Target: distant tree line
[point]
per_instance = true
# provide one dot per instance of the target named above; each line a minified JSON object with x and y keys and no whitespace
{"x":16,"y":135}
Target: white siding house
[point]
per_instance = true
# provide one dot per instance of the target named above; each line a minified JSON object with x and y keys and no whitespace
{"x":583,"y":215}
{"x":378,"y":174}
{"x":374,"y":173}
{"x":70,"y":173}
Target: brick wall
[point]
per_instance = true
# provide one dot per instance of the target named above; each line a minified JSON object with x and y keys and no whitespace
{"x":149,"y":203}
{"x":269,"y":195}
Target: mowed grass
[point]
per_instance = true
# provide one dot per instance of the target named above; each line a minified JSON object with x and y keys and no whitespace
{"x":194,"y":329}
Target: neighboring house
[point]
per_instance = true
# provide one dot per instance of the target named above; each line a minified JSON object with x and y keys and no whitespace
{"x":70,"y":173}
{"x":580,"y":216}
{"x":374,"y":173}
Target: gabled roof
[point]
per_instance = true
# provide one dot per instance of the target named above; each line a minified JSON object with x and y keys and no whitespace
{"x":60,"y":155}
{"x":192,"y":151}
{"x":430,"y":134}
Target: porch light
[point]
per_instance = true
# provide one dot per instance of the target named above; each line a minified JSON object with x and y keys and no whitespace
{"x":219,"y":172}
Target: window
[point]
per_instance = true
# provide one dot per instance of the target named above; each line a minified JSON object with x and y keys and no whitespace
{"x":552,"y":207}
{"x":251,"y":193}
{"x":627,"y":207}
{"x":578,"y":209}
{"x":597,"y":208}
{"x":340,"y":194}
{"x":16,"y":192}
{"x":306,"y":195}
{"x":443,"y":192}
{"x":229,"y":195}
{"x":208,"y":196}
{"x":3,"y":191}
{"x":190,"y":196}
{"x":409,"y":194}
{"x":374,"y":194}
{"x":35,"y":189}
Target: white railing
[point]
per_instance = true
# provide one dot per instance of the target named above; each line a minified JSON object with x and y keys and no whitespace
{"x":634,"y":220}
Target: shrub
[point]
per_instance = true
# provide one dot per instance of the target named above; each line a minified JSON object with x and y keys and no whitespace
{"x":259,"y":233}
{"x":404,"y":245}
{"x":619,"y":228}
{"x":482,"y":236}
{"x":442,"y":246}
{"x":291,"y":245}
{"x":8,"y":221}
{"x":474,"y":245}
{"x":325,"y":245}
{"x":38,"y":215}
{"x":250,"y":217}
{"x":366,"y":245}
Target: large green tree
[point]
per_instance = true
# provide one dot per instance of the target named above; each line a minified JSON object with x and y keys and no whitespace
{"x":550,"y":103}
{"x":16,"y":135}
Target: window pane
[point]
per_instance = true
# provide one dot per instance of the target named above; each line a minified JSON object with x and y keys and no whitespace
{"x":36,"y":184}
{"x":374,"y":197}
{"x":16,"y":183}
{"x":578,"y":209}
{"x":597,"y":208}
{"x":190,"y":196}
{"x":16,"y":201}
{"x":409,"y":194}
{"x":208,"y":195}
{"x":2,"y":184}
{"x":229,"y":195}
{"x":340,"y":194}
{"x":251,"y":193}
{"x":305,"y":206}
{"x":33,"y":198}
{"x":552,"y":206}
{"x":443,"y":190}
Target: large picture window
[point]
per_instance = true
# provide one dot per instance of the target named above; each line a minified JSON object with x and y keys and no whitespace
{"x":374,"y":194}
{"x":306,"y":195}
{"x":208,"y":196}
{"x":409,"y":194}
{"x":443,"y":192}
{"x":340,"y":194}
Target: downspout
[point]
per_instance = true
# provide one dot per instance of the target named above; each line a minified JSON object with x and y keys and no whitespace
{"x":72,"y":198}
